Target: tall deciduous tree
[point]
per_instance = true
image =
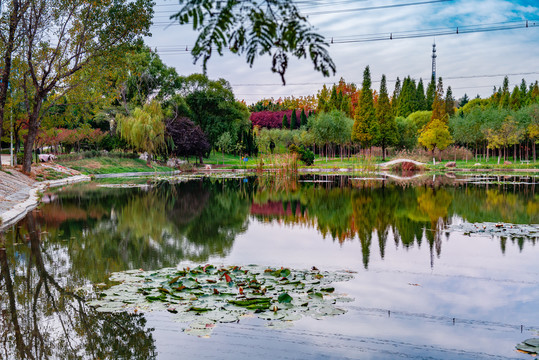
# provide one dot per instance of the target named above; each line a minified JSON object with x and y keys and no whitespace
{"x":144,"y":129}
{"x":435,"y":135}
{"x":438,"y":105}
{"x":187,"y":138}
{"x":365,"y":130}
{"x":212,"y":106}
{"x":10,"y":37}
{"x":386,"y":121}
{"x":64,"y":36}
{"x":273,"y":27}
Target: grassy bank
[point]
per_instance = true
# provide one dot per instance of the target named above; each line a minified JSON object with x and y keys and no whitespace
{"x":108,"y":165}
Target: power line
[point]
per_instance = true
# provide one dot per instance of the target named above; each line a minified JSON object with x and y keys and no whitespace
{"x":327,"y":12}
{"x":394,"y":80}
{"x":408,"y":34}
{"x":338,"y":11}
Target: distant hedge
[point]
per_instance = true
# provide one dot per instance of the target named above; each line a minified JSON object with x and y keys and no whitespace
{"x":271,"y":119}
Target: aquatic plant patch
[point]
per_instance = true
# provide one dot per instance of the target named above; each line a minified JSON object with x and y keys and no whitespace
{"x":529,"y":346}
{"x":497,"y":229}
{"x":206,"y":295}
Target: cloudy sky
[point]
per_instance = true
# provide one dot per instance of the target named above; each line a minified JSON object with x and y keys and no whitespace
{"x":471,"y":63}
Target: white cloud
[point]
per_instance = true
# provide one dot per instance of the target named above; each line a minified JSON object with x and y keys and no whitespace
{"x":482,"y":53}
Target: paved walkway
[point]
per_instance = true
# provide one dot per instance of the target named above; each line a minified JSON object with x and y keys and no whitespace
{"x":5,"y":159}
{"x":14,"y":189}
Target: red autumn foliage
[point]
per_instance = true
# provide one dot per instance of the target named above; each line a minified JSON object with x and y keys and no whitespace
{"x":272,"y":119}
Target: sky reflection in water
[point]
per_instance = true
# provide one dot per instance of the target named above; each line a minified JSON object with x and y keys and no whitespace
{"x":413,"y":279}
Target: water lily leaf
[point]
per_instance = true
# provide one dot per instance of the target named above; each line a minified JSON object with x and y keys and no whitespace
{"x":284,"y":298}
{"x":280,"y":325}
{"x":527,"y":348}
{"x":212,"y":295}
{"x":532,"y":342}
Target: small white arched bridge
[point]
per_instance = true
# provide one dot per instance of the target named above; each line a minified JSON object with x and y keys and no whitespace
{"x":398,"y":161}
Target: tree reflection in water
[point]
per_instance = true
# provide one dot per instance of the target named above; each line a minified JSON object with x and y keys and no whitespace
{"x":44,"y":317}
{"x":89,"y":232}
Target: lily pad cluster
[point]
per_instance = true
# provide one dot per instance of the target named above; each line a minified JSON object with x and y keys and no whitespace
{"x":497,"y":229}
{"x":530,"y":346}
{"x":206,"y":295}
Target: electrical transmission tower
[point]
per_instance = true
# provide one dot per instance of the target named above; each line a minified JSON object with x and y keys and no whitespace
{"x":434,"y":61}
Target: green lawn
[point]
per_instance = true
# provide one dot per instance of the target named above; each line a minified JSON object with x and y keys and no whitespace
{"x":109,"y":165}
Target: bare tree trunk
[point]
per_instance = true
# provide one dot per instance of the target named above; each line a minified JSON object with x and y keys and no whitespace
{"x":17,"y":10}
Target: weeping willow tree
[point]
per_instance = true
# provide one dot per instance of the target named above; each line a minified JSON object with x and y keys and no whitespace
{"x":144,"y":129}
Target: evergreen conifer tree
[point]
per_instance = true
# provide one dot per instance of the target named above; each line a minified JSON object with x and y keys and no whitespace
{"x":464,"y":100}
{"x":515,"y":102}
{"x":407,"y":99}
{"x":285,"y":122}
{"x":523,"y":92}
{"x":395,"y":97}
{"x":365,"y":129}
{"x":293,"y":120}
{"x":420,"y":96}
{"x":449,"y":102}
{"x":505,"y":96}
{"x":431,"y":92}
{"x":303,"y":118}
{"x":386,"y":120}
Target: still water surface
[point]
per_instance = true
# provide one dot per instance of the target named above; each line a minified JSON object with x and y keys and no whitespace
{"x":420,"y":292}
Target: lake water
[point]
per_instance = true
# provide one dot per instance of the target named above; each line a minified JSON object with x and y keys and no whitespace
{"x":419,"y":291}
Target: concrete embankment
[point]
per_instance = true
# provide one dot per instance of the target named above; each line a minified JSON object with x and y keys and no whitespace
{"x":20,"y":194}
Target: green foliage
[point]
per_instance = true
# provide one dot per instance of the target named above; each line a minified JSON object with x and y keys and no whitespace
{"x":395,"y":97}
{"x":224,"y":143}
{"x":305,"y":155}
{"x":431,"y":93}
{"x":435,"y":135}
{"x":144,"y":128}
{"x":438,"y":104}
{"x":342,"y":97}
{"x":420,"y":96}
{"x":211,"y":104}
{"x":293,"y":120}
{"x":507,"y":134}
{"x":463,"y":100}
{"x":277,"y":28}
{"x":365,"y":130}
{"x":407,"y":102}
{"x":285,"y":122}
{"x":303,"y":118}
{"x":148,"y":75}
{"x":331,"y":128}
{"x":386,"y":121}
{"x":449,"y":102}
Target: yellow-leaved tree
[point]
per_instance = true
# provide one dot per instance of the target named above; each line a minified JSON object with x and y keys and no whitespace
{"x":144,"y":129}
{"x":435,"y":135}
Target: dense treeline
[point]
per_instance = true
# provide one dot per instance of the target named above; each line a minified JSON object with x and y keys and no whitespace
{"x":411,"y":116}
